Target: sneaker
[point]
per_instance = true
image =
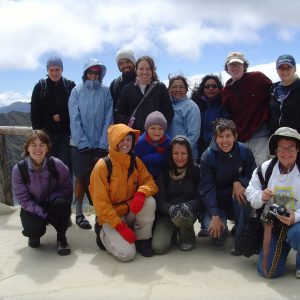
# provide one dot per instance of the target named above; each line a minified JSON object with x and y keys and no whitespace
{"x":34,"y":242}
{"x":63,"y":247}
{"x":97,"y":228}
{"x":186,"y":247}
{"x":144,"y":248}
{"x":298,"y":274}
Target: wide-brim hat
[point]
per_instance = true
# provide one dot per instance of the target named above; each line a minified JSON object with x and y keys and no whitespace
{"x":280,"y":133}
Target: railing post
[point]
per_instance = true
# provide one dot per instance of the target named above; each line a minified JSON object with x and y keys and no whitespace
{"x":4,"y":174}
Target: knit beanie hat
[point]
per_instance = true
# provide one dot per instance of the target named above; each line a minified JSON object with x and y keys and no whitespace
{"x":54,"y":61}
{"x":123,"y":53}
{"x":156,"y":118}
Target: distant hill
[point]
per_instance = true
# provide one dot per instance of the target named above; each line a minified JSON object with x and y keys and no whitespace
{"x":16,"y":106}
{"x":14,"y":144}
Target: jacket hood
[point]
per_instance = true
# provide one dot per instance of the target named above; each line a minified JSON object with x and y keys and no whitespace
{"x":116,"y":133}
{"x":95,"y":62}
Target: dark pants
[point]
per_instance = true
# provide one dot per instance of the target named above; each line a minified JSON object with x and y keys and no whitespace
{"x":61,"y":149}
{"x":59,"y":211}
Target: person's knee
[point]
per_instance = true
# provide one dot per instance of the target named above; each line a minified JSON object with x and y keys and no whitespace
{"x":293,"y":237}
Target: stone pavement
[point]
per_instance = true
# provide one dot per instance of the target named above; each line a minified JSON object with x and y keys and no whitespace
{"x":207,"y":272}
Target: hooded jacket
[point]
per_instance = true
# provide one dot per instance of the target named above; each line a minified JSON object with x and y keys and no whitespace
{"x":90,"y":108}
{"x":111,"y":199}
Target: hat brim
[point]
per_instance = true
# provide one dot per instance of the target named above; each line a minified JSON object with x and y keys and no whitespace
{"x":274,"y":139}
{"x":284,"y":63}
{"x":232,"y":60}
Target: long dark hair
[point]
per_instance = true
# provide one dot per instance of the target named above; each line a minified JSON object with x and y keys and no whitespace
{"x":181,"y":140}
{"x":198,"y":91}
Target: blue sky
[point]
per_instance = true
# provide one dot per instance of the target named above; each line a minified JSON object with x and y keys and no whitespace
{"x":192,"y":37}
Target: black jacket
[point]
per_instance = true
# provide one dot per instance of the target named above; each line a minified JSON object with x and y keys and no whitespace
{"x":286,"y":113}
{"x":130,"y":97}
{"x":54,"y":102}
{"x":172,"y":191}
{"x":217,"y":176}
{"x":117,"y":85}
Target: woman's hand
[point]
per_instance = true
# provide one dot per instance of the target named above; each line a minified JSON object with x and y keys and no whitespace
{"x":216,"y":227}
{"x":287,"y":220}
{"x":238,"y":192}
{"x":266,"y":195}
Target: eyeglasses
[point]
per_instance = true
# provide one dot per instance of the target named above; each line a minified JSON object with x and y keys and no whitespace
{"x":290,"y":149}
{"x":210,"y":86}
{"x":90,"y":72}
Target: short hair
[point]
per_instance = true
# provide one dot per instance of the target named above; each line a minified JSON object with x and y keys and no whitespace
{"x":151,"y":63}
{"x":198,"y":91}
{"x":36,"y":134}
{"x":178,"y":77}
{"x":181,"y":140}
{"x":222,"y":124}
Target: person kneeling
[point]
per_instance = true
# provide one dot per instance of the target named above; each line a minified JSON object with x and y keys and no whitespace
{"x":122,"y":200}
{"x":177,"y":199}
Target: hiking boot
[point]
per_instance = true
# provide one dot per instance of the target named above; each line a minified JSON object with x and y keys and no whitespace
{"x":82,"y":222}
{"x":63,"y":247}
{"x":234,"y":252}
{"x":186,"y":247}
{"x":203,"y":233}
{"x":34,"y":242}
{"x":98,"y":228}
{"x":144,"y":248}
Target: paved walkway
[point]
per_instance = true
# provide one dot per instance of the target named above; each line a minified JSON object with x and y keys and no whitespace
{"x":206,"y":272}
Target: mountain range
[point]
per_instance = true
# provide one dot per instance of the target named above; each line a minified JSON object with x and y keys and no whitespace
{"x":16,"y":106}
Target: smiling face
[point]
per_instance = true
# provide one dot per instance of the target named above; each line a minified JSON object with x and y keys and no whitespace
{"x":125,"y":65}
{"x":180,"y":155}
{"x":287,"y":152}
{"x":287,"y":74}
{"x":236,"y":70}
{"x":178,"y":89}
{"x":93,"y":73}
{"x":37,"y":151}
{"x":144,"y":72}
{"x":126,"y":144}
{"x":155,"y":132}
{"x":225,"y":140}
{"x":211,"y":89}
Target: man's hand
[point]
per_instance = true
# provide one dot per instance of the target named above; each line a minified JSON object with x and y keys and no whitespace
{"x":287,"y":220}
{"x":56,"y":118}
{"x":216,"y":227}
{"x":238,"y":192}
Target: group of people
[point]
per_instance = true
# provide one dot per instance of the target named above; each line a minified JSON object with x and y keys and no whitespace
{"x":152,"y":161}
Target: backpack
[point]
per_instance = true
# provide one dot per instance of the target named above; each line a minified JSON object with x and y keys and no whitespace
{"x":43,"y":82}
{"x":251,"y":238}
{"x":109,"y":167}
{"x":25,"y":174}
{"x":212,"y":156}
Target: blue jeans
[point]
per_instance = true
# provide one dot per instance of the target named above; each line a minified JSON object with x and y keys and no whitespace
{"x":292,"y":241}
{"x":241,"y":213}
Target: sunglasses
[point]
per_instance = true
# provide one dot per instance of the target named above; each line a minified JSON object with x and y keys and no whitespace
{"x":210,"y":86}
{"x":90,"y":72}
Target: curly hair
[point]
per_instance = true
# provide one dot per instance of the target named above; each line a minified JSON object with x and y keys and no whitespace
{"x":198,"y":91}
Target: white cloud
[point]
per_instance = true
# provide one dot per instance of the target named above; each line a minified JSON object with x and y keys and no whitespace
{"x":9,"y":97}
{"x":32,"y":28}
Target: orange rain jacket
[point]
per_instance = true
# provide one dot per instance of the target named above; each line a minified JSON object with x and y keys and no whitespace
{"x":111,"y":199}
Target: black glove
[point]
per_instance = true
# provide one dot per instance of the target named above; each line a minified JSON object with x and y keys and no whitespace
{"x":182,"y":215}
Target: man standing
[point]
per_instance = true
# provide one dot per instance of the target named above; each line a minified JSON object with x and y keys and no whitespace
{"x":246,"y":98}
{"x":126,"y":63}
{"x":49,"y":109}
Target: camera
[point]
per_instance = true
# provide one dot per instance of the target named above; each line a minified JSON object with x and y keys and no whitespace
{"x":280,"y":210}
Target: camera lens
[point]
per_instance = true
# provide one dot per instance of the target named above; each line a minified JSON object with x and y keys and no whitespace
{"x":282,"y":211}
